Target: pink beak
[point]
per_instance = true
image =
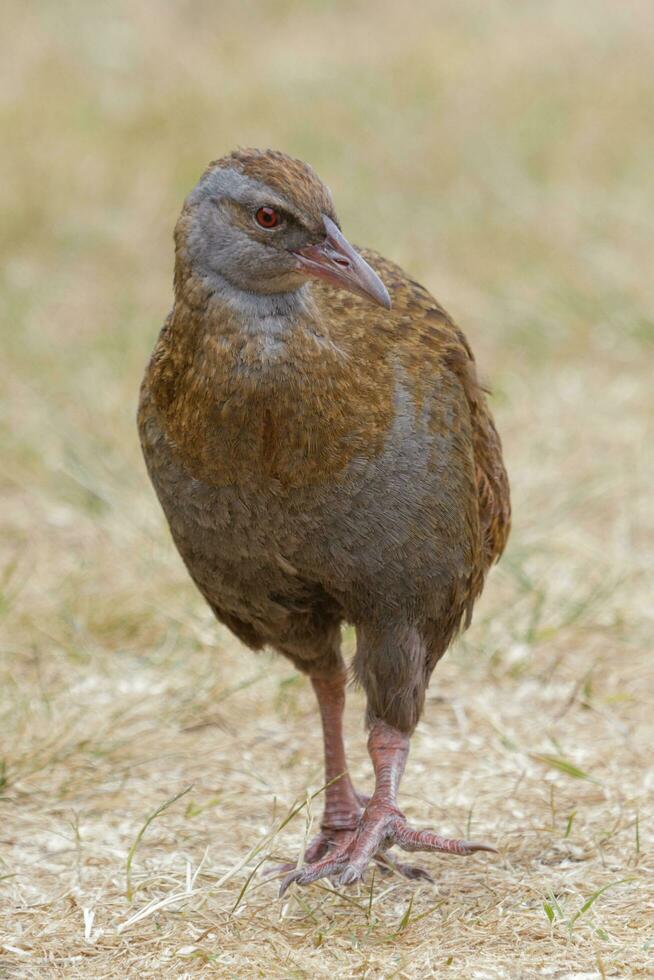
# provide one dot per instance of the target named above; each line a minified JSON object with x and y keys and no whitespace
{"x":335,"y":261}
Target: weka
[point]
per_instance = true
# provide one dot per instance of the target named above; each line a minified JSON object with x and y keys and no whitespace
{"x":324,"y":453}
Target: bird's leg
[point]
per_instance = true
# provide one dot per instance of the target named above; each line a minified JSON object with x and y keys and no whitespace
{"x":382,"y":824}
{"x":342,"y":805}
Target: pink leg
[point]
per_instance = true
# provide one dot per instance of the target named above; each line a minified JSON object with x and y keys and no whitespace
{"x":382,"y":823}
{"x":342,"y":807}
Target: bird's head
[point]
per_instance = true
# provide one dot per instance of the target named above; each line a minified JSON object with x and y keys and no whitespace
{"x":264,"y":223}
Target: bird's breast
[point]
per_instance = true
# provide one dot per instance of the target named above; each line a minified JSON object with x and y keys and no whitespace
{"x":270,"y":408}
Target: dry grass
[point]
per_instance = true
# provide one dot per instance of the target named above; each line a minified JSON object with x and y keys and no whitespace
{"x":502,"y":152}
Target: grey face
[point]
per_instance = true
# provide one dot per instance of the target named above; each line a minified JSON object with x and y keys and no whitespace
{"x":227,"y":244}
{"x":230,"y":243}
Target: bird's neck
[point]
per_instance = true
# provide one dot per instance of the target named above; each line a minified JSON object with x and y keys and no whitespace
{"x":256,"y":388}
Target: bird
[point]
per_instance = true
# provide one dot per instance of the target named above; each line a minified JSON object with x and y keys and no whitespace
{"x":313,"y":425}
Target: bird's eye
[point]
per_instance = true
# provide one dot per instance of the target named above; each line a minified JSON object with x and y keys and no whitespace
{"x":267,"y":217}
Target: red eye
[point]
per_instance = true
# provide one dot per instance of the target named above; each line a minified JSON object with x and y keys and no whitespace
{"x":267,"y":217}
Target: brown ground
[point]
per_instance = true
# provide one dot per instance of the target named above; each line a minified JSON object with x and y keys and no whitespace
{"x":503,"y":153}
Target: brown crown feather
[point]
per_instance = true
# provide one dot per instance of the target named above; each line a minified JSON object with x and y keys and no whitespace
{"x":294,"y":179}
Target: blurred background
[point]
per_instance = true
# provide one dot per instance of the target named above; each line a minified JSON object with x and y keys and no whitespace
{"x":502,"y":153}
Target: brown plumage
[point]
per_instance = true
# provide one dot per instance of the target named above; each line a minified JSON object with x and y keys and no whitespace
{"x":322,"y":459}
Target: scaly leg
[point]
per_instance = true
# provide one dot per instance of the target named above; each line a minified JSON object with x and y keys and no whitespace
{"x":343,"y":805}
{"x":382,"y":824}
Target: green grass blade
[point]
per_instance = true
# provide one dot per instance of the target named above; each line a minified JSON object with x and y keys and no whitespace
{"x":137,"y":840}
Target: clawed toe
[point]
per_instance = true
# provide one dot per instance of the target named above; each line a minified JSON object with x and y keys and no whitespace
{"x":426,"y":840}
{"x":312,"y":872}
{"x":294,"y":876}
{"x":413,"y":872}
{"x":320,"y":847}
{"x":389,"y":865}
{"x":349,"y":875}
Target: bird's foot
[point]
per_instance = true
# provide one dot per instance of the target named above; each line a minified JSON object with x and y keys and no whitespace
{"x":380,"y":827}
{"x":323,"y":843}
{"x":332,"y":841}
{"x":331,"y":838}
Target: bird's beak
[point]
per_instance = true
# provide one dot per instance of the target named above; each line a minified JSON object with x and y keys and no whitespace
{"x":335,"y":261}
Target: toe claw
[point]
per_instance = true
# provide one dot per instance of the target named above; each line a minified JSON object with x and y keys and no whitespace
{"x":278,"y":869}
{"x":330,"y":866}
{"x":415,"y":873}
{"x":388,"y":864}
{"x":472,"y":846}
{"x":349,"y":876}
{"x":288,"y":880}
